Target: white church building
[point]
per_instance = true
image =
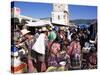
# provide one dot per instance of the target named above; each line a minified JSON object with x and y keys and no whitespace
{"x":60,"y":14}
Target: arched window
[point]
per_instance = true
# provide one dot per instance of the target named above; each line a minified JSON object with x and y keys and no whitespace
{"x":58,"y":17}
{"x":64,"y":16}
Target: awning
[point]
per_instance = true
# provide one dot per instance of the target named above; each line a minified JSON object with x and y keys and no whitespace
{"x":64,"y":25}
{"x":39,"y":23}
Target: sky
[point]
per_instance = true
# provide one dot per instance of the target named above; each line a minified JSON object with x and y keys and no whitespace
{"x":43,"y":10}
{"x":82,"y":12}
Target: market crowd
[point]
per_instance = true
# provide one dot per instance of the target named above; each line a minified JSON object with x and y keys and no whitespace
{"x":55,"y":49}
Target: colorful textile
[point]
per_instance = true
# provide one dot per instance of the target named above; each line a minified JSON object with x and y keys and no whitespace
{"x":52,"y":69}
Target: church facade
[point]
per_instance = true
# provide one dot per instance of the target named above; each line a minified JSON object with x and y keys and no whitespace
{"x":60,"y":14}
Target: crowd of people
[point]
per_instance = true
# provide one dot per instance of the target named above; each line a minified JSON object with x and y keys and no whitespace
{"x":55,"y":49}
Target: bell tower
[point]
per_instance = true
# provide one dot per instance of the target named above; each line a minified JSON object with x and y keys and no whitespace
{"x":60,"y":14}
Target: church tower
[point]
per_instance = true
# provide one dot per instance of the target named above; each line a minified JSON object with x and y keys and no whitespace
{"x":60,"y":14}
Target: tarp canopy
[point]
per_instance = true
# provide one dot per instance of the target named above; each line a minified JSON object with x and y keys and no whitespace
{"x":83,"y":26}
{"x":39,"y":23}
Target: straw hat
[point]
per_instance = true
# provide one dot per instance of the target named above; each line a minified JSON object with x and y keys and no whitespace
{"x":65,"y":30}
{"x":24,"y":31}
{"x":91,"y":41}
{"x":44,"y":29}
{"x":50,"y":28}
{"x":62,"y":28}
